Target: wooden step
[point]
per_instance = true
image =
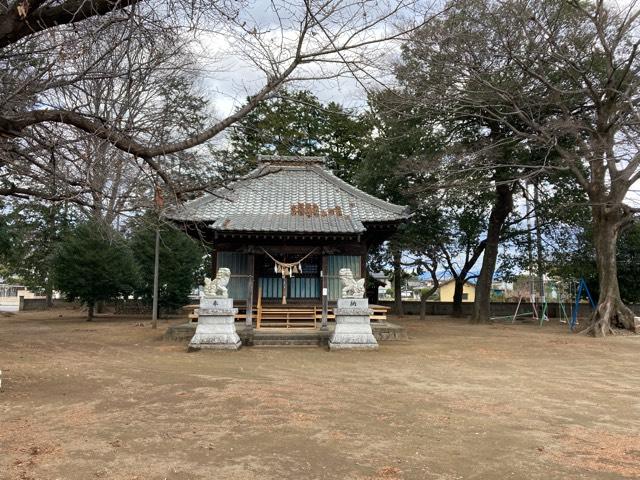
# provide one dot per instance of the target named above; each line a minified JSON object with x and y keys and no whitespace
{"x":285,"y":325}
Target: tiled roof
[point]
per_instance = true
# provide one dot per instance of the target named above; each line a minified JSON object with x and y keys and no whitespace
{"x":294,"y":194}
{"x":288,"y":223}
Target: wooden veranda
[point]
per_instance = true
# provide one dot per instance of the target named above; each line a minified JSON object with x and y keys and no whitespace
{"x":298,"y":316}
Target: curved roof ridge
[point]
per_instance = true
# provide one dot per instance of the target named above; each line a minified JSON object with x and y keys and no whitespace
{"x":338,"y":182}
{"x":289,"y":159}
{"x":218,"y":192}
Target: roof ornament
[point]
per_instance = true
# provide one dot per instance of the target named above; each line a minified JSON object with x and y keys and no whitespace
{"x":288,"y":269}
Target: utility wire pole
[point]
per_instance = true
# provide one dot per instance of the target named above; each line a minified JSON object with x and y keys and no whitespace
{"x":530,"y":227}
{"x":156,"y":262}
{"x":539,"y":248}
{"x":156,"y":274}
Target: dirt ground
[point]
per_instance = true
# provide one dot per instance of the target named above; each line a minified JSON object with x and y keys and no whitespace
{"x":111,"y":400}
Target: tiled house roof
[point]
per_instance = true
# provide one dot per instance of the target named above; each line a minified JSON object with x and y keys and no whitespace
{"x":289,"y":194}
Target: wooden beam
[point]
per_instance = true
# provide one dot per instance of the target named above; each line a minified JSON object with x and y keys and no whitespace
{"x":284,"y":290}
{"x":259,"y":309}
{"x":324,"y":293}
{"x":249,"y":309}
{"x":214,"y":262}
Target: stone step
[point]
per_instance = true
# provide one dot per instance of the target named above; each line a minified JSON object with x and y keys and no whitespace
{"x":286,"y":343}
{"x":280,"y":339}
{"x":286,"y":335}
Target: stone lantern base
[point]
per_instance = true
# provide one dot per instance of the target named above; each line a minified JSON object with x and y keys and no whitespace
{"x":353,"y":326}
{"x":216,"y":328}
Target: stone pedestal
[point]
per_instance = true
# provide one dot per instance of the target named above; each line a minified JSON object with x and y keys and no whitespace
{"x":353,"y":326}
{"x":216,"y":328}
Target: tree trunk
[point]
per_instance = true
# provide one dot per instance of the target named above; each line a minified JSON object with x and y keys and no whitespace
{"x":482,"y":302}
{"x":397,"y":282}
{"x":90,"y":306}
{"x":501,"y":209}
{"x":424,"y":296}
{"x":610,"y":312}
{"x":457,"y":297}
{"x":48,"y":291}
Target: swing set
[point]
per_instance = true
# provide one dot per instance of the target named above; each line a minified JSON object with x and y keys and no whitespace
{"x":574,"y":315}
{"x":538,"y":301}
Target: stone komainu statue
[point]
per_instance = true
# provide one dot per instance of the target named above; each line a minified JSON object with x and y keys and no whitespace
{"x":351,"y":288}
{"x":218,"y":286}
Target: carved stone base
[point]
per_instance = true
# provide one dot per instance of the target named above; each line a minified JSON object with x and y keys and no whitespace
{"x":353,"y":326}
{"x":216,"y":328}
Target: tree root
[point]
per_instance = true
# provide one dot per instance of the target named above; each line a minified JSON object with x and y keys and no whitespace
{"x":610,"y":314}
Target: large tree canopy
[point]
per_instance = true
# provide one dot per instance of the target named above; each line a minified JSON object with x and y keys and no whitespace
{"x":561,"y":76}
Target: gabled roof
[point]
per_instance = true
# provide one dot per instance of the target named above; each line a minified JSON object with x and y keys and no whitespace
{"x":450,"y":280}
{"x":289,"y":194}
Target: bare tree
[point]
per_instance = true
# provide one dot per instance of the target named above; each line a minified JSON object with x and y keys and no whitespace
{"x":134,"y":85}
{"x":287,"y":41}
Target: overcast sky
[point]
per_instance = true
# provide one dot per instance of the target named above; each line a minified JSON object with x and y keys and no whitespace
{"x":229,"y":75}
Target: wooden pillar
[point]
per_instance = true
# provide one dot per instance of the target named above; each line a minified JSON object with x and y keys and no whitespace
{"x":214,"y":262}
{"x":325,"y":291}
{"x":284,"y":290}
{"x":251,"y":281}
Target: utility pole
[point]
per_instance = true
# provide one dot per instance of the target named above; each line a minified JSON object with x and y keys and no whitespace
{"x":539,"y":250}
{"x":158,"y":200}
{"x":529,"y":241}
{"x":156,"y":275}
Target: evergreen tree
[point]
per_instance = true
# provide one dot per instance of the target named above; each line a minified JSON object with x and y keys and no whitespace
{"x":388,"y":171}
{"x":5,"y":244}
{"x":32,"y":230}
{"x":180,"y":261}
{"x":297,"y":123}
{"x":94,"y":263}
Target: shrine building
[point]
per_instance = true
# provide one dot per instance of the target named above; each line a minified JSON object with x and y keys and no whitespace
{"x":285,"y":230}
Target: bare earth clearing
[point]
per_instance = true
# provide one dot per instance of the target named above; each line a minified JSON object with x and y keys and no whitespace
{"x":111,"y":400}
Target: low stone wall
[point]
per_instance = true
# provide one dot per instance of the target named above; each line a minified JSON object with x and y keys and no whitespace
{"x":33,"y":303}
{"x":386,"y":331}
{"x":498,"y":309}
{"x":130,"y":307}
{"x":383,"y":331}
